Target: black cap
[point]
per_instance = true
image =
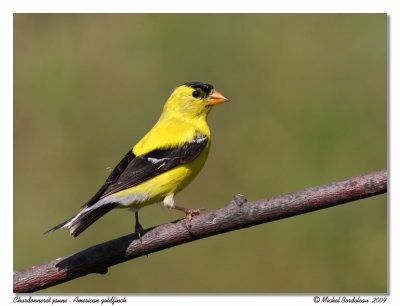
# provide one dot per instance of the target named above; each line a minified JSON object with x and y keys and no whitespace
{"x":206,"y":88}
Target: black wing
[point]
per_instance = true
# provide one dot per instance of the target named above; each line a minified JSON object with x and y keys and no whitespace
{"x":112,"y":178}
{"x":133,"y":170}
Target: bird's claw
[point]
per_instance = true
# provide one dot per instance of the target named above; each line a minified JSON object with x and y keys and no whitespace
{"x":190,"y":213}
{"x":139,"y":231}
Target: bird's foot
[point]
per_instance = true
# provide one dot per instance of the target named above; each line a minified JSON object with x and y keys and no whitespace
{"x":190,"y":213}
{"x":139,"y":230}
{"x":138,"y":227}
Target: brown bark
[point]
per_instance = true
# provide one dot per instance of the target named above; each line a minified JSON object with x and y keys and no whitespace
{"x":238,"y":214}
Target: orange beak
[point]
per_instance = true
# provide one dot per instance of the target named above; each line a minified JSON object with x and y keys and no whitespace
{"x":216,"y":98}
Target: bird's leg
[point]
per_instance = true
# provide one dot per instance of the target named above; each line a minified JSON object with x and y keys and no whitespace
{"x":138,"y":227}
{"x":169,"y":202}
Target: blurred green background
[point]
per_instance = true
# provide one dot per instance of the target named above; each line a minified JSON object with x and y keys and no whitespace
{"x":308,"y":106}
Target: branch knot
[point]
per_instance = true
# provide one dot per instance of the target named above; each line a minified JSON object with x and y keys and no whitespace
{"x":238,"y":200}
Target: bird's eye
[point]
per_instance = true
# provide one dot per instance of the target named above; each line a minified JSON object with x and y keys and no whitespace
{"x":196,"y":94}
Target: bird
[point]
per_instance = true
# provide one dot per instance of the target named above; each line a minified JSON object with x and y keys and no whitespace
{"x":161,"y":164}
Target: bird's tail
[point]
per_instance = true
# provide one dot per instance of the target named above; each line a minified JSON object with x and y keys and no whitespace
{"x":86,"y":217}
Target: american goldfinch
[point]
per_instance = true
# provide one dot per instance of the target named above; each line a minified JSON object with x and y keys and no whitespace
{"x":161,"y":164}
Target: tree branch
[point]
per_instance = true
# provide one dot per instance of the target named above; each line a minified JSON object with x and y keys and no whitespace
{"x":238,"y":214}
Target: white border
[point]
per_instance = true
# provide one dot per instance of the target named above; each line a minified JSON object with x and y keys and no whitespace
{"x":204,"y":6}
{"x":7,"y":8}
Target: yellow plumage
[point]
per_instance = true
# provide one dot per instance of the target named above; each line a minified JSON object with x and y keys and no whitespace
{"x":162,"y":163}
